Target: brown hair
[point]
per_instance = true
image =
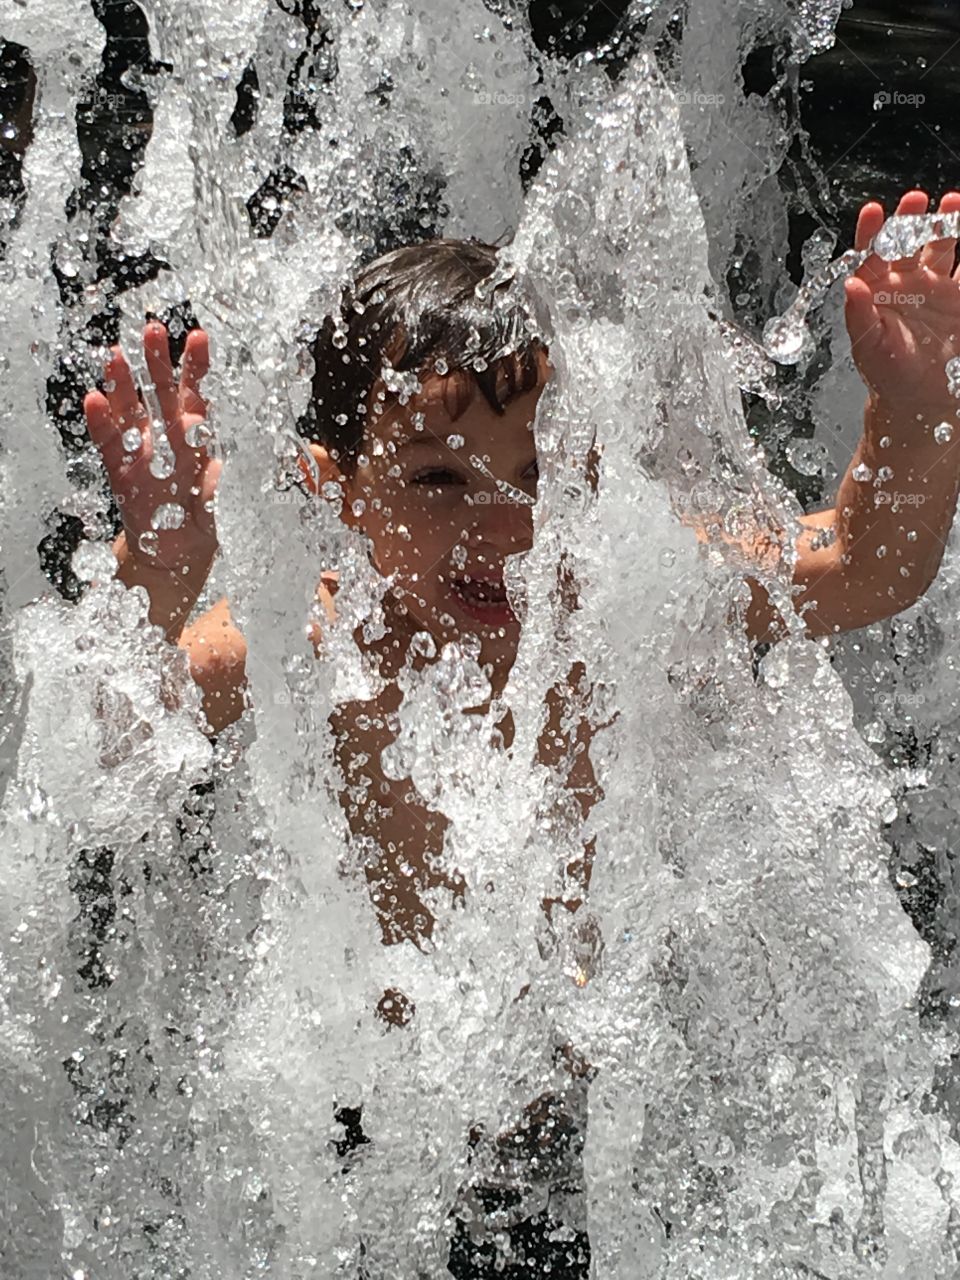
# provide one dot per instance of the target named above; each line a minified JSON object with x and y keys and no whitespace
{"x":425,"y":308}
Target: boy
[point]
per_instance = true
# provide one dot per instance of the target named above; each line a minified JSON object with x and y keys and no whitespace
{"x":417,"y":476}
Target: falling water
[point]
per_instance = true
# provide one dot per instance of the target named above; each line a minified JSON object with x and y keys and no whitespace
{"x":189,"y":961}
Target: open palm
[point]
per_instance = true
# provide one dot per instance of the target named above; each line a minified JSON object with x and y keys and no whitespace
{"x":164,"y":488}
{"x":903,"y":317}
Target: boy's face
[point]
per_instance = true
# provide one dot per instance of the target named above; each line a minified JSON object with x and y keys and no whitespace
{"x":438,"y":523}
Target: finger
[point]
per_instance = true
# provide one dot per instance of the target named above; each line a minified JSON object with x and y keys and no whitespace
{"x":938,"y":256}
{"x":911,"y":204}
{"x":869,"y":222}
{"x":196,"y":364}
{"x":156,"y":347}
{"x":103,"y":431}
{"x":122,"y":396}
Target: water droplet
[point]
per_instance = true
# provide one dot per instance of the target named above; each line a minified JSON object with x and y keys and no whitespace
{"x":862,"y":472}
{"x":885,"y":442}
{"x":952,"y":370}
{"x":163,"y":463}
{"x":358,"y":506}
{"x":441,"y":366}
{"x":881,"y":551}
{"x":148,"y":543}
{"x":911,"y":535}
{"x":94,"y":560}
{"x":422,"y":645}
{"x":943,"y":433}
{"x":809,"y":457}
{"x":454,"y":441}
{"x":786,"y":339}
{"x":132,"y":439}
{"x":198,"y":435}
{"x":916,"y":1146}
{"x":339,"y":338}
{"x":169,"y":515}
{"x":885,"y":473}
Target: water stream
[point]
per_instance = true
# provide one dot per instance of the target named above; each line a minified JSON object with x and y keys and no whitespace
{"x":189,"y":962}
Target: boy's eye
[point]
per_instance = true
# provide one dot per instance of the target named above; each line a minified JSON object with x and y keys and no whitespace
{"x":436,"y":475}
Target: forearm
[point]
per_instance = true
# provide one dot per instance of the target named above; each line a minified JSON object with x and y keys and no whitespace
{"x":172,"y":592}
{"x":217,"y":653}
{"x":877,"y":551}
{"x":894,"y":527}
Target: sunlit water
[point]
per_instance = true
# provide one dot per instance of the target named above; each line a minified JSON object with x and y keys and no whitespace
{"x":183,"y":1016}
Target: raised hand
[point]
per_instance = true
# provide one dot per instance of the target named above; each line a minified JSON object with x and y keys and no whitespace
{"x":164,"y":488}
{"x":903,"y":317}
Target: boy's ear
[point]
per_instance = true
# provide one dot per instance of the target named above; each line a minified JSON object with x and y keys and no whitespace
{"x":326,"y":468}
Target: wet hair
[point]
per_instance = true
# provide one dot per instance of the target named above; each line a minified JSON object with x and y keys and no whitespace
{"x":427,"y":308}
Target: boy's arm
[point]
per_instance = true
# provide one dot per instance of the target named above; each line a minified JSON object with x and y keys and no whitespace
{"x":217,"y":653}
{"x":885,"y":537}
{"x":891,"y":526}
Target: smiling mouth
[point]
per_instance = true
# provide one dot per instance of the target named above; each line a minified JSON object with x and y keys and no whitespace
{"x":477,"y":591}
{"x":484,"y":599}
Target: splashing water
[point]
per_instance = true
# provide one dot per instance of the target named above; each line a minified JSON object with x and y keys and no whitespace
{"x":787,"y":339}
{"x":723,"y":1038}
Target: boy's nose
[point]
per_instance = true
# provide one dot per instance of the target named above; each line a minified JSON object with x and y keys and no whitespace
{"x":505,"y":527}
